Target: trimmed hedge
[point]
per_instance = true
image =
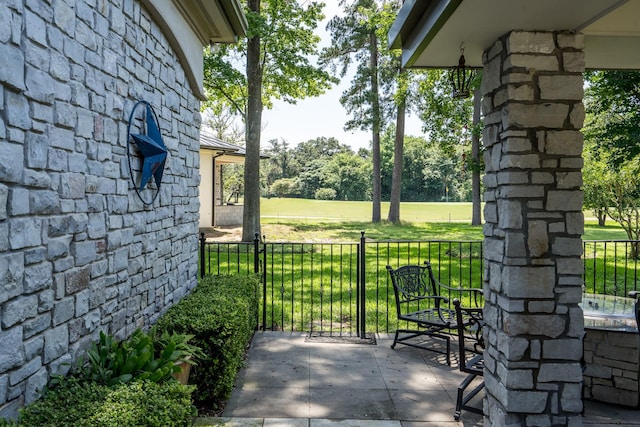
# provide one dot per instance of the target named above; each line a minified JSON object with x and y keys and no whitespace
{"x":86,"y":404}
{"x":221,"y":314}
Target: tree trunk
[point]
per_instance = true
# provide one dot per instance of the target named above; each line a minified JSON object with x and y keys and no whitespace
{"x":396,"y":178}
{"x":633,"y":250}
{"x":375,"y":107}
{"x":476,"y":218}
{"x":251,"y":212}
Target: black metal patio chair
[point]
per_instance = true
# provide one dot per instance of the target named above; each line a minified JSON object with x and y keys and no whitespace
{"x":471,"y":347}
{"x":423,"y":302}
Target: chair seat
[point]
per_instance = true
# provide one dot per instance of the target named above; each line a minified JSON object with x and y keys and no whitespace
{"x":422,"y":303}
{"x":431,"y":318}
{"x":475,"y":365}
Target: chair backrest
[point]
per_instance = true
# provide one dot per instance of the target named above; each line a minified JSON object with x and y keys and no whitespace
{"x":410,"y":282}
{"x":470,"y":339}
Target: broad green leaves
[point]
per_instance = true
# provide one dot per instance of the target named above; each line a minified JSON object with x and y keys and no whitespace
{"x":612,"y":100}
{"x":288,"y":48}
{"x":612,"y":148}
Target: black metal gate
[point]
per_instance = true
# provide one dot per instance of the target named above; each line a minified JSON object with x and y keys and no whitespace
{"x":313,"y":287}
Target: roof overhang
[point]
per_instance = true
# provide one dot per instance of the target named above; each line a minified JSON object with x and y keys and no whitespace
{"x":214,"y":21}
{"x":222,"y":157}
{"x":430,"y":32}
{"x":223,"y":151}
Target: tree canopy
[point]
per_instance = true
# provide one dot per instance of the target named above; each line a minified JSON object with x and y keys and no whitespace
{"x":612,"y":148}
{"x":613,"y":103}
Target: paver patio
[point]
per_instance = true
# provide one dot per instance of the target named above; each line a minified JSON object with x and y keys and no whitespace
{"x":289,"y":380}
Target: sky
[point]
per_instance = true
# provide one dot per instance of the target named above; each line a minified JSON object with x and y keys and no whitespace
{"x":321,"y":116}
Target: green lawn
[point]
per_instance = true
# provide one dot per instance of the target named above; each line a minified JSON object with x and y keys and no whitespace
{"x":333,"y":210}
{"x":304,"y":220}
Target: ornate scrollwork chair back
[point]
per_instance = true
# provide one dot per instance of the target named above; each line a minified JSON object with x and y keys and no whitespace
{"x":422,"y":303}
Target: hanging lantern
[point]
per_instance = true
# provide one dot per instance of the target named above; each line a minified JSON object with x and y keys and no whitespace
{"x":461,"y":77}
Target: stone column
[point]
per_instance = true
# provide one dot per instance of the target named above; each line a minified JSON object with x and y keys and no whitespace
{"x":532,"y":87}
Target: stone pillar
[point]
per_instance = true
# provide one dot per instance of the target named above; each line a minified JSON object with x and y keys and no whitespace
{"x":532,"y":87}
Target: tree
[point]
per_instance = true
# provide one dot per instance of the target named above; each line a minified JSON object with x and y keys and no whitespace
{"x":354,"y":38}
{"x":396,"y":84}
{"x":414,"y":160}
{"x":612,"y":137}
{"x":280,"y":42}
{"x":312,"y":177}
{"x":595,"y":190}
{"x":349,"y":175}
{"x":280,"y":157}
{"x":442,"y":174}
{"x":315,"y":149}
{"x":396,"y":177}
{"x":613,"y":100}
{"x":624,"y":186}
{"x":223,"y":125}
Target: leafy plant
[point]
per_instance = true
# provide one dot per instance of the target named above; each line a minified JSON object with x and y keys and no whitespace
{"x":143,"y":356}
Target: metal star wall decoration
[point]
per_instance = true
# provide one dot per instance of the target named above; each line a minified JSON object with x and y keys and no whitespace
{"x":152,"y":150}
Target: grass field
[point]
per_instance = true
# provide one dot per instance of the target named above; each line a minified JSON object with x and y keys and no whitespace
{"x":332,"y":210}
{"x":303,"y":220}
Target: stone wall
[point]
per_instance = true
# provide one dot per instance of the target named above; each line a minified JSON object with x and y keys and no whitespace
{"x":79,"y":252}
{"x":532,"y":88}
{"x":612,"y":371}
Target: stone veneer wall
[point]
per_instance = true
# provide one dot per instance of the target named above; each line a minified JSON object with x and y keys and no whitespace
{"x":79,"y":253}
{"x":532,"y":87}
{"x":612,"y":371}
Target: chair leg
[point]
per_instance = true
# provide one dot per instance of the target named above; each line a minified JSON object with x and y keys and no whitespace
{"x":456,"y":414}
{"x":395,"y":340}
{"x":461,"y":401}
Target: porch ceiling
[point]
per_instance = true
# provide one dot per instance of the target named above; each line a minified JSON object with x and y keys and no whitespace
{"x":430,"y":31}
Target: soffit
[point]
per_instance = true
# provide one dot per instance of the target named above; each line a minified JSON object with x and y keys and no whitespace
{"x":430,"y":32}
{"x":214,"y":21}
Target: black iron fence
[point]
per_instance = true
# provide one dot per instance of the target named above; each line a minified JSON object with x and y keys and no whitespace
{"x":344,"y":288}
{"x":610,"y":266}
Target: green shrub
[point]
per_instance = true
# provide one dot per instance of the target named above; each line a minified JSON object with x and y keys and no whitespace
{"x":325,"y":194}
{"x":137,"y":403}
{"x":221,"y":314}
{"x":285,"y":187}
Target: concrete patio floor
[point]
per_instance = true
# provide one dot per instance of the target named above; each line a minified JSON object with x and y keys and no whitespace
{"x":291,"y":381}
